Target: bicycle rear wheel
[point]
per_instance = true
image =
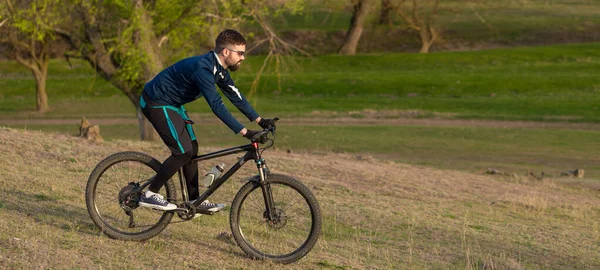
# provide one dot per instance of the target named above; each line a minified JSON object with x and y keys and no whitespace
{"x":294,"y":230}
{"x":110,"y":185}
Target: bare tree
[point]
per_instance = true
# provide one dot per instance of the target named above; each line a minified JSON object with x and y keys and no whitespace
{"x":422,"y":20}
{"x":277,"y":49}
{"x":361,"y":11}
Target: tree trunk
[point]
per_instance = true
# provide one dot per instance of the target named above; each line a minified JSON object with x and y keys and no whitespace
{"x":39,"y":69}
{"x":426,"y":41}
{"x":147,"y":131}
{"x":145,"y":39}
{"x":95,"y":51}
{"x":361,"y":10}
{"x":428,"y":35}
{"x":386,"y":8}
{"x":425,"y":46}
{"x":40,"y":93}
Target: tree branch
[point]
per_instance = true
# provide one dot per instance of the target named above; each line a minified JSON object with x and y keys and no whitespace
{"x":211,"y":15}
{"x":272,"y":36}
{"x":258,"y":43}
{"x":10,"y":6}
{"x":415,"y":16}
{"x":24,"y":62}
{"x":410,"y":22}
{"x":176,"y":22}
{"x":17,"y":43}
{"x":433,"y":13}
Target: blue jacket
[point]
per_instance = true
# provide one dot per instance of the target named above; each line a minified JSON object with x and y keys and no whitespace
{"x":195,"y":77}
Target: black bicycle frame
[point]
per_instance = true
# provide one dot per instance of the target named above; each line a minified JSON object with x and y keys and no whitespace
{"x":252,"y":153}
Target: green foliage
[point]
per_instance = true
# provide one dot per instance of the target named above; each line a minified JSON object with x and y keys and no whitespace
{"x":199,"y":30}
{"x":143,"y":40}
{"x":33,"y":19}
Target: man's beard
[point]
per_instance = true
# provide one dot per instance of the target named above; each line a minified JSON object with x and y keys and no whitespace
{"x":234,"y":67}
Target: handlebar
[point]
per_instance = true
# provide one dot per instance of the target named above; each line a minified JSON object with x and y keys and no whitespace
{"x":262,"y":137}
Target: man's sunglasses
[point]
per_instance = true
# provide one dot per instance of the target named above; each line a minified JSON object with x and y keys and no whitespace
{"x":240,"y":53}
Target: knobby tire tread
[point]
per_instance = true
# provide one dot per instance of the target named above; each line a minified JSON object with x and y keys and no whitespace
{"x":304,"y":191}
{"x":103,"y":166}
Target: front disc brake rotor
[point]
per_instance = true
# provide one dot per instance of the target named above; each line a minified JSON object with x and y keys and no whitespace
{"x":279,"y":219}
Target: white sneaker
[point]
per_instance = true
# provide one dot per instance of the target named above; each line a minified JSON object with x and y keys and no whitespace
{"x":207,"y":207}
{"x":156,"y":201}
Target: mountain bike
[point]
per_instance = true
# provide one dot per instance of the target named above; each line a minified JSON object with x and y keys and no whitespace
{"x":272,"y":216}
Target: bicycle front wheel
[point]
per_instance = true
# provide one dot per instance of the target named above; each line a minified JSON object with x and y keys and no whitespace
{"x":113,"y":206}
{"x":294,"y":229}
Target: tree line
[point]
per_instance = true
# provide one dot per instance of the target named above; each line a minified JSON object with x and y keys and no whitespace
{"x":128,"y":42}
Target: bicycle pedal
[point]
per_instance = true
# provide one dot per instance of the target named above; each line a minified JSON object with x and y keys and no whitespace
{"x":205,"y":212}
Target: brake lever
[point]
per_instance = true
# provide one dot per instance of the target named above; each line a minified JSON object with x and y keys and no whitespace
{"x":272,"y":129}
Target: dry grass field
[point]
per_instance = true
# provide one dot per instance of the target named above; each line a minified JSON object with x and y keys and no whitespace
{"x":377,"y":214}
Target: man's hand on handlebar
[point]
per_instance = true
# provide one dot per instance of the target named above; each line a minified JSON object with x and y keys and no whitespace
{"x":267,"y":123}
{"x":250,"y":133}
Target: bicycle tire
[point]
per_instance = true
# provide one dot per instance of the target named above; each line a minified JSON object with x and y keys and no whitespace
{"x":249,"y":199}
{"x":104,"y":184}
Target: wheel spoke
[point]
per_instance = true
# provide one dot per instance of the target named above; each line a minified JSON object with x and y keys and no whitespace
{"x":287,"y":233}
{"x":114,"y":178}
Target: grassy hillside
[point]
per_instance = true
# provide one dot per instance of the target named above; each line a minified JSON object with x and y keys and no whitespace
{"x":376,"y":215}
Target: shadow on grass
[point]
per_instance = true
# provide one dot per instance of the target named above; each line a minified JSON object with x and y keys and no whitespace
{"x":224,"y":237}
{"x":49,"y":210}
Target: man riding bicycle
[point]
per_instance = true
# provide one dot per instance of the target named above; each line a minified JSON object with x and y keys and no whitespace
{"x":185,"y":81}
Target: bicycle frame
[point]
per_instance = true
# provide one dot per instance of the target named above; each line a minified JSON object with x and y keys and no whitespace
{"x":252,"y":153}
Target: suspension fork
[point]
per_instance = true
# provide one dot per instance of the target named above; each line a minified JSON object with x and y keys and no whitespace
{"x":266,"y":189}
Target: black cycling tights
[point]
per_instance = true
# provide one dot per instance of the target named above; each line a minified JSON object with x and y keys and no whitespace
{"x":172,"y":165}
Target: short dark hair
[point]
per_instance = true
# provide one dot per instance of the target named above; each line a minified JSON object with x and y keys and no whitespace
{"x":227,"y":38}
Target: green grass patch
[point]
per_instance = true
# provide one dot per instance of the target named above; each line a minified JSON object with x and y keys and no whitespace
{"x":460,"y":24}
{"x":44,"y":197}
{"x":330,"y":265}
{"x":536,"y":83}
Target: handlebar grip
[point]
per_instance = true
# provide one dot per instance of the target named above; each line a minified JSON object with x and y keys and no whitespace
{"x":260,"y":137}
